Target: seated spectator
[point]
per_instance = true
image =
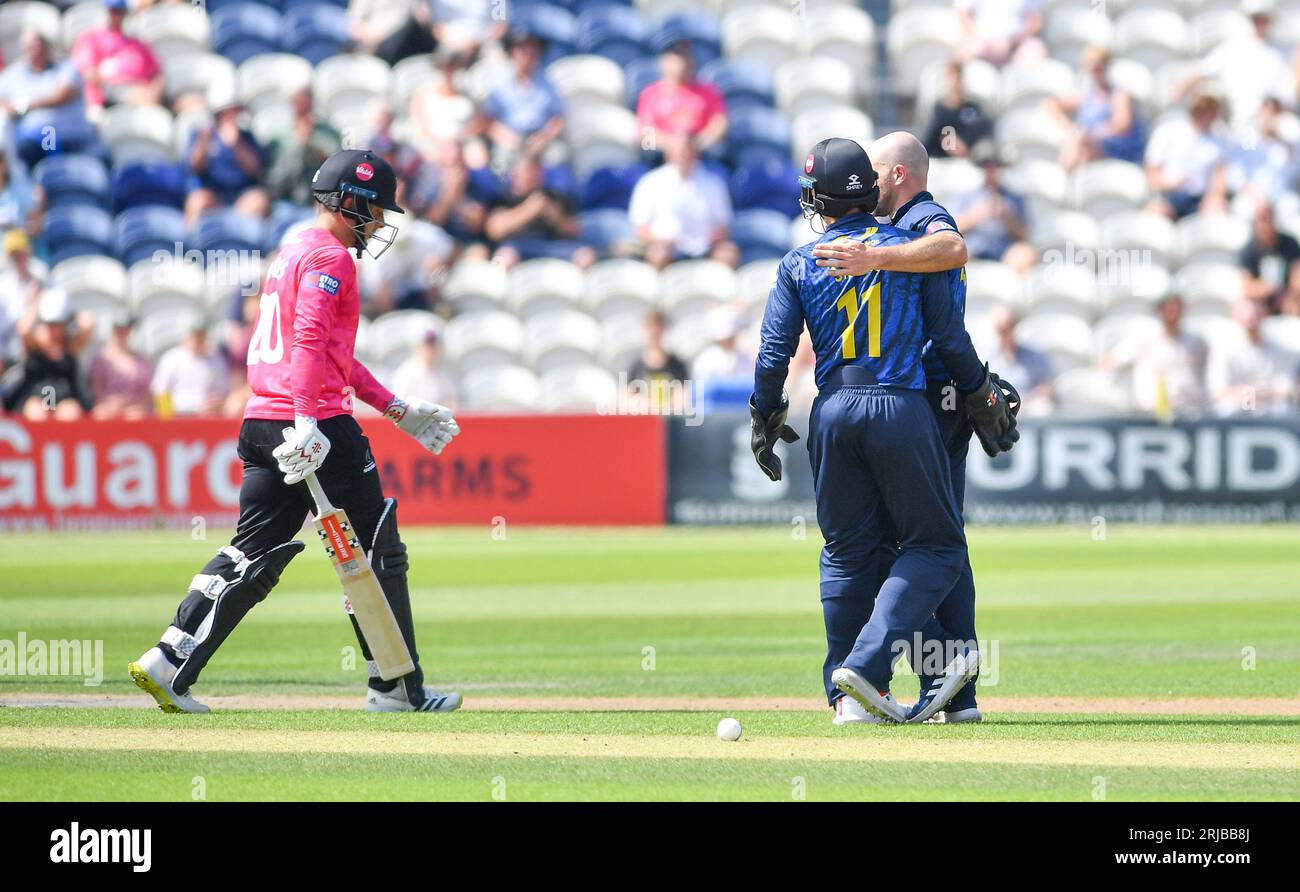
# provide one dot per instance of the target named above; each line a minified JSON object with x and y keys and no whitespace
{"x":957,"y":125}
{"x":1001,"y":31}
{"x":530,"y":220}
{"x":679,"y":105}
{"x":1029,"y":369}
{"x":1100,"y":122}
{"x":114,"y":67}
{"x":438,"y":110}
{"x":1168,"y":370}
{"x":992,"y":220}
{"x":1185,"y":163}
{"x":724,"y":372}
{"x":298,"y":150}
{"x":20,"y":286}
{"x":19,"y":207}
{"x":446,"y":192}
{"x":48,"y":385}
{"x":658,"y":376}
{"x":1264,"y":165}
{"x":466,"y":25}
{"x":422,"y":372}
{"x":524,"y":113}
{"x":1270,"y":262}
{"x":1248,"y":68}
{"x":409,"y":274}
{"x":681,"y":210}
{"x":191,"y":378}
{"x":390,"y":29}
{"x":227,"y":166}
{"x":1251,"y":376}
{"x":120,"y":377}
{"x":40,"y":97}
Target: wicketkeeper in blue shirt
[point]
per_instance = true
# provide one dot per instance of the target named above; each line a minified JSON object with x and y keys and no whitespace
{"x":880,"y":470}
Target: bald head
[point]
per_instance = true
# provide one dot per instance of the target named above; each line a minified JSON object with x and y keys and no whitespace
{"x":902,"y":166}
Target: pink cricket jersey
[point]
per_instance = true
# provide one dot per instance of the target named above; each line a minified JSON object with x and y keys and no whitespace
{"x":300,"y":359}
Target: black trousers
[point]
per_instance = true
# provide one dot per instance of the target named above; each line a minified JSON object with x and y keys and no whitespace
{"x":272,"y":512}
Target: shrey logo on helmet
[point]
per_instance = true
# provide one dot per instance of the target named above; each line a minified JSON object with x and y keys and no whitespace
{"x":364,"y":171}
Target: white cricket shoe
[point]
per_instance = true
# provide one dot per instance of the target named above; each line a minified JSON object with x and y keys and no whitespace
{"x":957,"y":716}
{"x":963,"y":668}
{"x":879,"y":703}
{"x":153,"y":674}
{"x":850,"y":712}
{"x":396,"y":700}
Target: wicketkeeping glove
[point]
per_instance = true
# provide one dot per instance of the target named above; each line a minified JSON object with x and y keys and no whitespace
{"x":763,"y":434}
{"x":990,"y":414}
{"x":303,"y":450}
{"x":432,"y":425}
{"x":1009,"y":391}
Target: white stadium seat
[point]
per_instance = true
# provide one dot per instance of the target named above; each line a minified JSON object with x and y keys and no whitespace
{"x":504,"y":389}
{"x":1142,"y":285}
{"x":1210,"y":287}
{"x":690,"y":286}
{"x":1067,"y":30}
{"x":79,"y":18}
{"x":989,"y":282}
{"x":1104,"y":188}
{"x":804,"y":84}
{"x":1062,"y":288}
{"x":843,"y":32}
{"x":173,"y":283}
{"x":762,"y":34}
{"x":583,"y":389}
{"x":1026,"y":86}
{"x":1284,"y":331}
{"x":562,"y":339}
{"x":163,"y":329}
{"x":1058,"y":334}
{"x":812,"y":126}
{"x":1212,"y":239}
{"x":1123,"y":330}
{"x":754,"y":281}
{"x":392,"y":336}
{"x":138,"y":133}
{"x":1044,"y":184}
{"x":344,"y":85}
{"x":19,"y":17}
{"x":587,"y":75}
{"x":271,"y":78}
{"x":198,"y":73}
{"x":1140,"y":231}
{"x":172,"y":31}
{"x":619,"y":287}
{"x":602,"y":135}
{"x":981,"y":81}
{"x":918,"y":36}
{"x":484,"y":340}
{"x":954,"y":176}
{"x":406,"y":75}
{"x":1064,"y":230}
{"x":1214,"y":26}
{"x":1030,"y":134}
{"x":1152,"y":36}
{"x":476,"y":285}
{"x":544,"y":285}
{"x":621,"y":341}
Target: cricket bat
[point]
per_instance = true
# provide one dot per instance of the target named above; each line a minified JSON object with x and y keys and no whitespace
{"x":369,"y":606}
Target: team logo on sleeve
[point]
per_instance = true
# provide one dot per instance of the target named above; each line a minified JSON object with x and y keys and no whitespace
{"x":324,"y":281}
{"x":939,"y":226}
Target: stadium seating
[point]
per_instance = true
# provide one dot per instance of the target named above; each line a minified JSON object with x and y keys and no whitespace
{"x":76,"y":230}
{"x":142,"y":231}
{"x":73,"y":180}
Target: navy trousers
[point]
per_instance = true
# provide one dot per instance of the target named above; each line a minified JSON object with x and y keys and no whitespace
{"x":882,"y":480}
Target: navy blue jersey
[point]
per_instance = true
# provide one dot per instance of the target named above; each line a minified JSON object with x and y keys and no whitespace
{"x":880,"y":321}
{"x":924,"y":215}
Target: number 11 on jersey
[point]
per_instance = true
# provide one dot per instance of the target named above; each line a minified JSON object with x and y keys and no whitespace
{"x":848,"y":302}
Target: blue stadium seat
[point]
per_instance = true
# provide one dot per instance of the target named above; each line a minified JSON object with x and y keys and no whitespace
{"x":617,"y":32}
{"x":226,"y":230}
{"x":757,"y":135}
{"x":583,"y":6}
{"x":560,"y":178}
{"x":610,"y":187}
{"x":284,"y":215}
{"x":148,"y":183}
{"x":771,"y":184}
{"x":742,"y":84}
{"x":143,"y":230}
{"x":605,"y":228}
{"x":700,"y":28}
{"x":289,"y":5}
{"x":77,"y":230}
{"x":244,"y":30}
{"x":73,"y":180}
{"x":637,"y":75}
{"x":554,"y":24}
{"x":316,"y":32}
{"x":760,"y":234}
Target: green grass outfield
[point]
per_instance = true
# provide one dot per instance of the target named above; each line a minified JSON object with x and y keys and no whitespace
{"x":1156,"y":664}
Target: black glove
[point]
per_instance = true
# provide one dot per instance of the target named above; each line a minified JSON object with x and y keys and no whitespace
{"x":990,"y":414}
{"x":763,"y":434}
{"x":1009,"y":391}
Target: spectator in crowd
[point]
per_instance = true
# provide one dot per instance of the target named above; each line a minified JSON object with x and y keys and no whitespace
{"x":723,"y":363}
{"x":524,"y":113}
{"x":1270,"y":263}
{"x":958,"y":126}
{"x":227,"y":166}
{"x":192,"y":378}
{"x":682,"y":210}
{"x":18,"y":204}
{"x":467,"y":24}
{"x":1028,"y":368}
{"x":658,"y":375}
{"x":1168,"y":369}
{"x":447,"y":192}
{"x":120,"y":377}
{"x":992,"y":220}
{"x":40,"y":97}
{"x":423,"y":372}
{"x":390,"y":29}
{"x":408,"y":276}
{"x":679,"y":105}
{"x":1249,"y":68}
{"x":47,"y":384}
{"x":438,"y":110}
{"x":1101,"y":121}
{"x":298,"y":149}
{"x":20,"y":285}
{"x":115,"y":67}
{"x":1001,"y":31}
{"x":1263,"y":164}
{"x":1250,"y":375}
{"x":1185,"y":162}
{"x":530,"y":220}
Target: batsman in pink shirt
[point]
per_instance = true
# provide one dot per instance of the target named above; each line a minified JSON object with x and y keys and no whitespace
{"x":304,"y":381}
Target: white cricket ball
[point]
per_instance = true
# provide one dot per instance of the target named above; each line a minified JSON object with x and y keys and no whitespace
{"x":728,"y":729}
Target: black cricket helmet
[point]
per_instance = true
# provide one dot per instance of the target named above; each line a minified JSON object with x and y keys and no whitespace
{"x":837,"y":179}
{"x":369,"y":180}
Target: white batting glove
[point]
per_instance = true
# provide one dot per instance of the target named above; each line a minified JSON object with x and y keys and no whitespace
{"x":432,"y":425}
{"x":303,"y":451}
